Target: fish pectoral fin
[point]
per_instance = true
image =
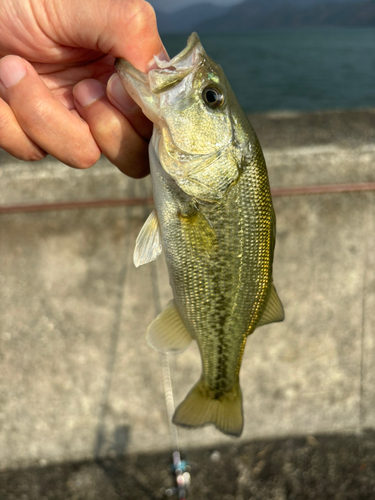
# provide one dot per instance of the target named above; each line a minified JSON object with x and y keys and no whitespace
{"x":274,"y":310}
{"x":167,"y":333}
{"x":200,"y":408}
{"x":201,"y":235}
{"x":148,"y":244}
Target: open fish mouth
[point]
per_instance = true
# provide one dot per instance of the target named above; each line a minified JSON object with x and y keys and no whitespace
{"x":145,"y":88}
{"x":180,"y":65}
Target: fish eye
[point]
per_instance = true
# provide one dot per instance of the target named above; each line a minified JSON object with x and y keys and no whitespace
{"x":213,"y":97}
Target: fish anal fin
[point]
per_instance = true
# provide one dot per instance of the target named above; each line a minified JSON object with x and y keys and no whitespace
{"x":273,"y":311}
{"x":167,"y":333}
{"x":148,"y":244}
{"x":200,"y":408}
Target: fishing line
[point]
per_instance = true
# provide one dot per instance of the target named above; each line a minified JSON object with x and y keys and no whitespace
{"x":180,"y":468}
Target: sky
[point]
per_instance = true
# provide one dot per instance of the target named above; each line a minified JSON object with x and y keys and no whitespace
{"x":172,"y":5}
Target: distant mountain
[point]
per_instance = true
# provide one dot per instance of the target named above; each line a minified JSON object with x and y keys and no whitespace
{"x":244,"y":16}
{"x":253,"y":14}
{"x":187,"y":19}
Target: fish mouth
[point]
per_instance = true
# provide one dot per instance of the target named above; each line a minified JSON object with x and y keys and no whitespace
{"x":134,"y":81}
{"x":145,"y":88}
{"x":125,"y":69}
{"x":185,"y":58}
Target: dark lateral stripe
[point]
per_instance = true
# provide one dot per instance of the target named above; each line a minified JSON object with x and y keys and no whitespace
{"x":276,"y":192}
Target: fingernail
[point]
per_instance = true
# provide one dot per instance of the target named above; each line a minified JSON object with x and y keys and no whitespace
{"x":88,"y":91}
{"x":162,"y":56}
{"x":119,"y":94}
{"x":12,"y":70}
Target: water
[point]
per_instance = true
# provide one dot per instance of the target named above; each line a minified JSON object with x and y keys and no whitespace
{"x":295,"y":69}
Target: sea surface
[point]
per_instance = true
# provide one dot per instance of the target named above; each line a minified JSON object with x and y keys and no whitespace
{"x":305,"y":69}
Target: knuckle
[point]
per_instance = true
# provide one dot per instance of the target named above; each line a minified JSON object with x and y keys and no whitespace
{"x":144,"y":15}
{"x":86,"y":159}
{"x":4,"y":125}
{"x":42,"y":112}
{"x":108,"y":130}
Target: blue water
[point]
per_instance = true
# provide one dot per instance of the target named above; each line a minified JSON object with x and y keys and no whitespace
{"x":295,"y":69}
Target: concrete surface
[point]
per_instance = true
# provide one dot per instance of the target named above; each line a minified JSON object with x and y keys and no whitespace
{"x":78,"y":381}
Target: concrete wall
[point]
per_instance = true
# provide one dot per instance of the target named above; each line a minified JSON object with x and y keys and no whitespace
{"x":78,"y":380}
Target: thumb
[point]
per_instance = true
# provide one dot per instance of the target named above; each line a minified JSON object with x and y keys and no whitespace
{"x":121,"y":28}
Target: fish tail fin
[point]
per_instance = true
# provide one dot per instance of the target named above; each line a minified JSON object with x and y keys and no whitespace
{"x":200,"y":408}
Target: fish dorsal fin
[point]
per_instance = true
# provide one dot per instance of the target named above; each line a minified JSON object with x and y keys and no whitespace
{"x":274,"y":310}
{"x":148,"y":244}
{"x":167,"y":333}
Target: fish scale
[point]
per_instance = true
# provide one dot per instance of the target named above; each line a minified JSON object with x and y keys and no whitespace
{"x":215,"y":222}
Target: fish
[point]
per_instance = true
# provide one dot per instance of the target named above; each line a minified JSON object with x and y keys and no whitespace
{"x":214,"y":221}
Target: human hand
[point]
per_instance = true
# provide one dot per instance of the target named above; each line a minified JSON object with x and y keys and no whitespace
{"x":52,"y":91}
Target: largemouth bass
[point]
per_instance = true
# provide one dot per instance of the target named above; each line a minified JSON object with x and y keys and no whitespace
{"x":215,"y":222}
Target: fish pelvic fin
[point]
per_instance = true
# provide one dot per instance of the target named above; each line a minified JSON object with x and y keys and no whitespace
{"x":167,"y":333}
{"x":201,"y":407}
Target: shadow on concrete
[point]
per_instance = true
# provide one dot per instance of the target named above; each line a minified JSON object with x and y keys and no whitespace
{"x":324,"y":467}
